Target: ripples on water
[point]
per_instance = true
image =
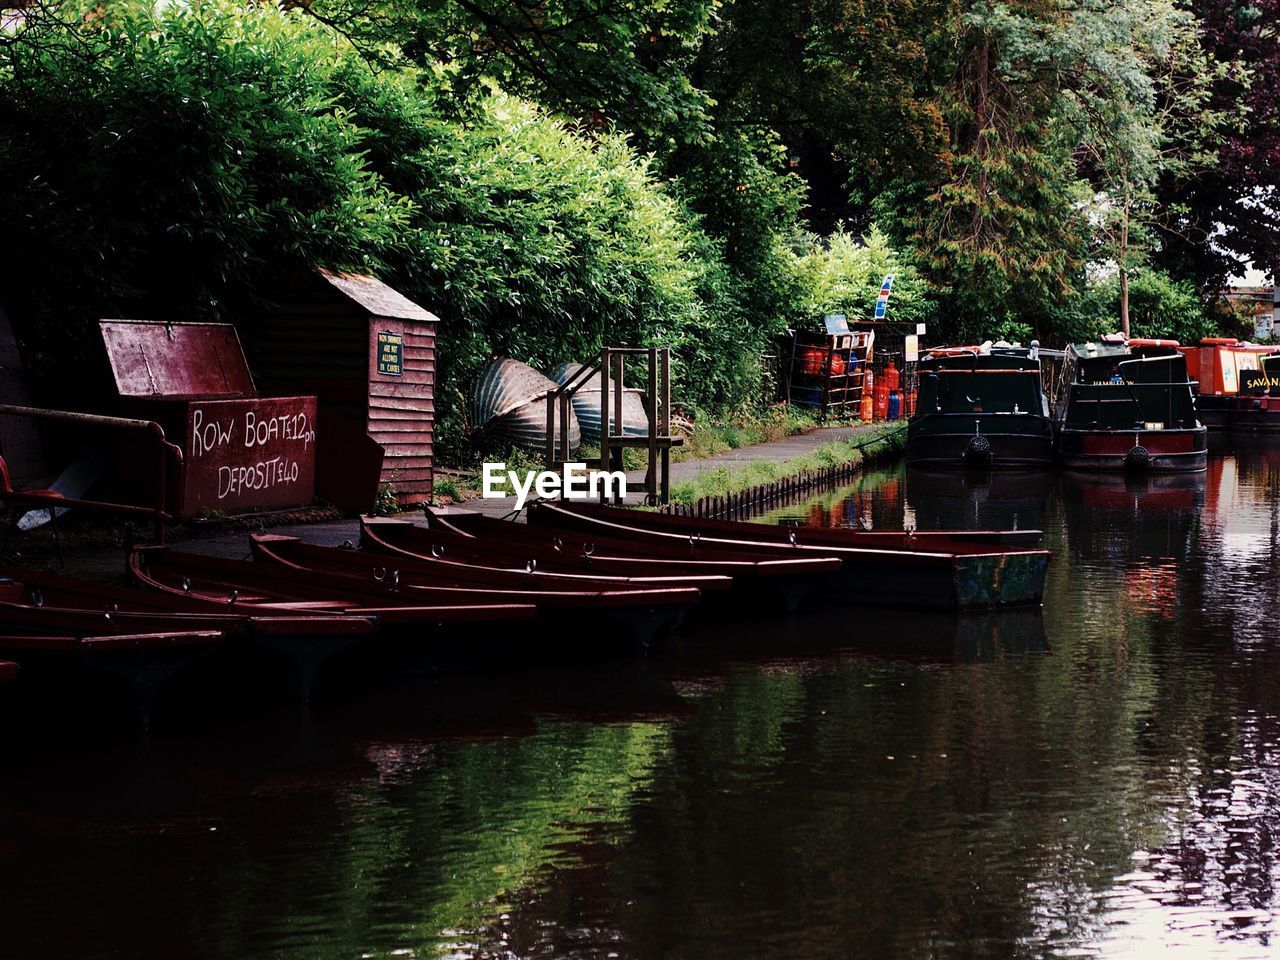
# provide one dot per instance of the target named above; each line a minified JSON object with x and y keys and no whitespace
{"x":1097,"y":781}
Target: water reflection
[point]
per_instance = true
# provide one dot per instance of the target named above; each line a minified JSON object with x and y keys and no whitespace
{"x":1099,"y":780}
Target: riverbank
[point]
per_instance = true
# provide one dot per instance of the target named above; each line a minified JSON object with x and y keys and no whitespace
{"x":730,"y":472}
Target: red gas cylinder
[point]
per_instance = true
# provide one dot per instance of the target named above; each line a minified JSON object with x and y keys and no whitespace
{"x":892,"y":375}
{"x":868,"y":401}
{"x":882,"y":398}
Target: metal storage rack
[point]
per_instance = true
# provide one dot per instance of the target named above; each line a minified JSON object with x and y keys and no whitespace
{"x":827,"y":371}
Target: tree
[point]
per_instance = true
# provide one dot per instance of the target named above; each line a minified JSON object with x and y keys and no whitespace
{"x":1229,"y":215}
{"x":621,"y":64}
{"x":1000,"y":224}
{"x":1141,"y":104}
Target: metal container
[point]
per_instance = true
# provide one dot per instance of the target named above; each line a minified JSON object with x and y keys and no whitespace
{"x":241,"y":451}
{"x":586,"y":405}
{"x":508,"y":403}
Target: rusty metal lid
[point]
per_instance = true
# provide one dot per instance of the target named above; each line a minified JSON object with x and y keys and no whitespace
{"x":176,"y":360}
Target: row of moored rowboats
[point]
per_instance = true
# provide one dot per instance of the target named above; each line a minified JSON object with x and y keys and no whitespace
{"x":467,"y":589}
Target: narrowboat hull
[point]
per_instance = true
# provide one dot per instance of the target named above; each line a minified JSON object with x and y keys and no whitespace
{"x":947,"y":441}
{"x":1134,"y":451}
{"x":1244,"y":414}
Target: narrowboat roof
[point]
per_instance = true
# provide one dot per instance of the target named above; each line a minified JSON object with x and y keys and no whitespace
{"x":1009,"y":361}
{"x":1098,"y":348}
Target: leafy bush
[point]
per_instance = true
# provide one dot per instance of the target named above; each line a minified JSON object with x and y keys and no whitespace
{"x":1159,"y":307}
{"x":842,"y":275}
{"x":174,"y":164}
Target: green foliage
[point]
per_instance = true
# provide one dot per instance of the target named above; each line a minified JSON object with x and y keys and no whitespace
{"x":163,"y":167}
{"x":602,"y":64}
{"x":1160,"y":307}
{"x":839,"y":274}
{"x":446,"y":489}
{"x":194,"y":154}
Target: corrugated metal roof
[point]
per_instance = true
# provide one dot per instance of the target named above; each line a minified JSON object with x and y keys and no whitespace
{"x":375,"y":296}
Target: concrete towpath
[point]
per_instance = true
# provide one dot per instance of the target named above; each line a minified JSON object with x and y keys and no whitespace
{"x":776,"y":451}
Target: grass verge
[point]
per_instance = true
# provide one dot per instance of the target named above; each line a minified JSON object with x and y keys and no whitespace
{"x":890,"y":439}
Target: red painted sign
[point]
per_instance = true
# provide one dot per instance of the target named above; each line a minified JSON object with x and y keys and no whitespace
{"x":249,"y":454}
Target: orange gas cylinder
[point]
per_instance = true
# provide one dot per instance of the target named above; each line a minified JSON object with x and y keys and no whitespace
{"x":811,"y":361}
{"x":892,"y":376}
{"x":882,"y":397}
{"x":868,"y":400}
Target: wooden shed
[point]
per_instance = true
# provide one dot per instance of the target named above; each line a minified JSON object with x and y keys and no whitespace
{"x":368,"y":354}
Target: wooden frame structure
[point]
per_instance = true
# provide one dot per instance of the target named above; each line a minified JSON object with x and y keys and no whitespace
{"x":657,"y":440}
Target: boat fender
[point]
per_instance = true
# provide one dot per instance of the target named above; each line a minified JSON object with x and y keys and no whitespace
{"x":978,"y":449}
{"x":1139,"y":458}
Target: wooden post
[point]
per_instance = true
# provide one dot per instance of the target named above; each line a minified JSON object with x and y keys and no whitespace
{"x":666,"y":423}
{"x":604,"y":413}
{"x":564,"y":427}
{"x":651,"y":479}
{"x":551,"y":429}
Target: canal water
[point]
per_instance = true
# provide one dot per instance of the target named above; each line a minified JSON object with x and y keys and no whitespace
{"x":1100,"y":780}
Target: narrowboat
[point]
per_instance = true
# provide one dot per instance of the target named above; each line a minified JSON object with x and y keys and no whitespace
{"x":981,"y":408}
{"x":1238,"y":384}
{"x":1128,"y":405}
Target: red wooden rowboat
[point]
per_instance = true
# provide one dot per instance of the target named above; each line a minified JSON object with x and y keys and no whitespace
{"x":8,"y":671}
{"x":413,"y":628}
{"x":635,"y":612}
{"x":943,"y":540}
{"x":57,"y":665}
{"x":951,"y":574}
{"x":758,"y":579}
{"x":47,"y":603}
{"x":514,"y":545}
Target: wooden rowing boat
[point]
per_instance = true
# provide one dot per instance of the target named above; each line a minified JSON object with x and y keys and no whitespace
{"x":414,"y":629}
{"x":303,"y":636}
{"x":60,"y":666}
{"x":758,"y":580}
{"x":948,"y":574}
{"x":946,"y":540}
{"x":516,"y":544}
{"x":637,"y":613}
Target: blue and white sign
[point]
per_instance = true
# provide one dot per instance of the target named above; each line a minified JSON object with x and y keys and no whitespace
{"x":882,"y":301}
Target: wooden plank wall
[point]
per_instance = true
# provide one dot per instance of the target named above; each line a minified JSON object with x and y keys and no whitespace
{"x":402,"y":409}
{"x":313,"y":344}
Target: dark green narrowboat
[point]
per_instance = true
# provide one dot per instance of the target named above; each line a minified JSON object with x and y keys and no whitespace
{"x":981,"y":408}
{"x":1128,"y":405}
